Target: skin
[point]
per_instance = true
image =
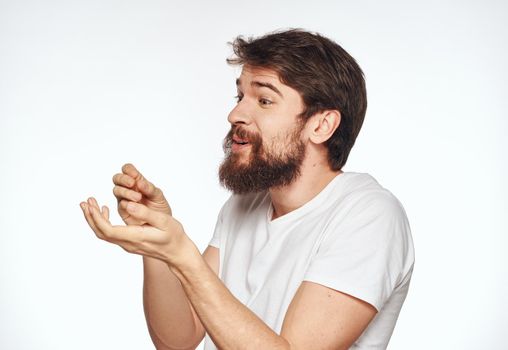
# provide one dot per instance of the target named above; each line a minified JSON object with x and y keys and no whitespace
{"x":318,"y":317}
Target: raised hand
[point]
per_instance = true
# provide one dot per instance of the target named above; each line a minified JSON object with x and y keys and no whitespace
{"x":161,"y":236}
{"x":131,"y":185}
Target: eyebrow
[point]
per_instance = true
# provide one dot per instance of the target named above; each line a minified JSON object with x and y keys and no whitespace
{"x":260,"y":84}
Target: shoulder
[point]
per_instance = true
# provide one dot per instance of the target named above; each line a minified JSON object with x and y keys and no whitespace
{"x":366,"y":249}
{"x":368,"y":213}
{"x":363,"y":195}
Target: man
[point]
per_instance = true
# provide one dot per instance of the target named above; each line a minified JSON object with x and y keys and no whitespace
{"x":304,"y":255}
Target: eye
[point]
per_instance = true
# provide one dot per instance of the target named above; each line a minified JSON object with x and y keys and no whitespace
{"x":265,"y":102}
{"x":238,"y":98}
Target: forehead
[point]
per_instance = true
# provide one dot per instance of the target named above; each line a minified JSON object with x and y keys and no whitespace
{"x":250,"y":72}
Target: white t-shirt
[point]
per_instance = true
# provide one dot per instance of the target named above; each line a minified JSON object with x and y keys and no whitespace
{"x":353,"y":236}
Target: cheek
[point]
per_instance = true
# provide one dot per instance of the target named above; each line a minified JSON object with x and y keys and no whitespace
{"x":275,"y":128}
{"x":275,"y":142}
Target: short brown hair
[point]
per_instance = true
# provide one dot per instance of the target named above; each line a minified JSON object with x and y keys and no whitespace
{"x":324,"y":74}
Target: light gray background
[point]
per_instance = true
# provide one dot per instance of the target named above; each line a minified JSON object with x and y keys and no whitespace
{"x":86,"y":86}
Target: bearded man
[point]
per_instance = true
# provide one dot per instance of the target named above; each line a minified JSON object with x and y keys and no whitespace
{"x":304,"y":255}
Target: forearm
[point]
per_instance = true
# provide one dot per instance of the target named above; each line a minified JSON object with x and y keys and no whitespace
{"x":229,"y":323}
{"x":168,"y":313}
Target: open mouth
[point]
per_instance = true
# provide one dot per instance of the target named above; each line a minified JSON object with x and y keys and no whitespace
{"x":239,"y":141}
{"x":239,"y":144}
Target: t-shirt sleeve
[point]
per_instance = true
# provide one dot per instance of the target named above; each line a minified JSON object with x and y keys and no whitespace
{"x":367,"y":253}
{"x":219,"y":226}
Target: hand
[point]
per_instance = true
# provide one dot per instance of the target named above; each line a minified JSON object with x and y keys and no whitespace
{"x":130,"y":185}
{"x":162,"y":237}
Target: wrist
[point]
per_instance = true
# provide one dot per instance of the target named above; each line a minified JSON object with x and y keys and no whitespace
{"x":182,"y":249}
{"x":187,"y":261}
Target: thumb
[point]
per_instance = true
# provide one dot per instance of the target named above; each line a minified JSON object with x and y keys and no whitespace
{"x":152,"y":217}
{"x":143,"y":185}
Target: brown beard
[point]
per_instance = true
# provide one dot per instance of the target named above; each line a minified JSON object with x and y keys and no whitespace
{"x":263,"y":170}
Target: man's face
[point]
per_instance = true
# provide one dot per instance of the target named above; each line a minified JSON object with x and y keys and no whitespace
{"x":264,"y":148}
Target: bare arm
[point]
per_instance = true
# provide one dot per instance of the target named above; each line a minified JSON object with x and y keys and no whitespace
{"x":171,"y":319}
{"x":317,"y":318}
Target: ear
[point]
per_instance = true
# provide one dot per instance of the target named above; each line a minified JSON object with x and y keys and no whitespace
{"x":322,"y":125}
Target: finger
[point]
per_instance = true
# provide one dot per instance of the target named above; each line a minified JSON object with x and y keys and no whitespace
{"x":125,"y":193}
{"x":123,"y":180}
{"x":93,"y":202}
{"x":132,"y":233}
{"x":88,"y":217}
{"x":145,"y":186}
{"x":124,"y":214}
{"x":152,"y":217}
{"x":131,"y":170}
{"x":105,"y":212}
{"x":149,"y":189}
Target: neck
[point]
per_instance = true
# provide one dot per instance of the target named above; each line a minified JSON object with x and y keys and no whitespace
{"x":313,"y":179}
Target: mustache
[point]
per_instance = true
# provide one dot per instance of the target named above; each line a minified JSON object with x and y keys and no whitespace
{"x":242,"y":133}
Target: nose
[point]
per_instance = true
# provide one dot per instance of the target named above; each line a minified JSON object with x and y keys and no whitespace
{"x":239,"y":115}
